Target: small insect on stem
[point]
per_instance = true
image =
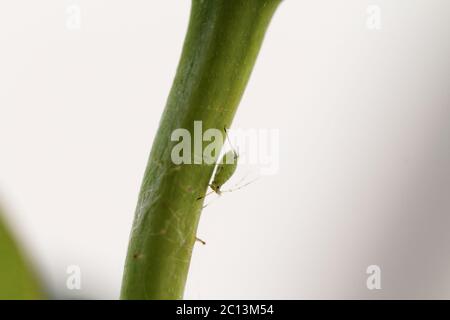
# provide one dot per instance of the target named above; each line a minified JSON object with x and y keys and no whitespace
{"x":225,"y":169}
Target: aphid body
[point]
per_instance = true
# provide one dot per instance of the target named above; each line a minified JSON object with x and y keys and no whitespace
{"x":225,"y":169}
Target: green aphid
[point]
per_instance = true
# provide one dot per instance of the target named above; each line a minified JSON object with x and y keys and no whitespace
{"x":225,"y":170}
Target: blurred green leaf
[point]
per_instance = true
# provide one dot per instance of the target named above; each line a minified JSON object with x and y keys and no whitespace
{"x":17,"y":281}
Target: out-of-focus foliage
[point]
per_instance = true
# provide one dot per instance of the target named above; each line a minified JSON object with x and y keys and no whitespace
{"x":17,"y":281}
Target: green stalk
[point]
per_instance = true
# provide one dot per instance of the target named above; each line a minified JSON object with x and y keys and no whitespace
{"x":220,"y":50}
{"x":17,"y":280}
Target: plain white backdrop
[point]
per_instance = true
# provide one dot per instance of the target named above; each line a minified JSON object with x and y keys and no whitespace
{"x":364,"y":122}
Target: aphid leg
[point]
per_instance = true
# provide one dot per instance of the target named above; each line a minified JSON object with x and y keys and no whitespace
{"x":203,"y":197}
{"x":240,"y":187}
{"x":239,"y":182}
{"x":200,"y":240}
{"x":206,"y":205}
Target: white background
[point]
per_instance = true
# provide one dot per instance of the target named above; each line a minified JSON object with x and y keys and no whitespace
{"x":364,"y":120}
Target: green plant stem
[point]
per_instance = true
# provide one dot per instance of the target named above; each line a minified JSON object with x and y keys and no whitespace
{"x":220,"y":50}
{"x":17,"y":280}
